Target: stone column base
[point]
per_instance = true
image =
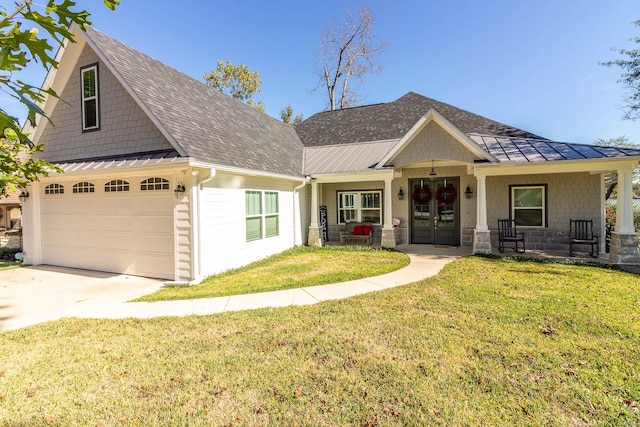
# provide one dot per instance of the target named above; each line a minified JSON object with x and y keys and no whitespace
{"x":623,"y":248}
{"x":388,"y":238}
{"x":314,"y":238}
{"x":482,"y":242}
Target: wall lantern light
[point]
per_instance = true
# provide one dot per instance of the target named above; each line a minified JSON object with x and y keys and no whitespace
{"x":432,"y":174}
{"x":400,"y":194}
{"x":23,"y":195}
{"x":468,"y":193}
{"x":179,"y":190}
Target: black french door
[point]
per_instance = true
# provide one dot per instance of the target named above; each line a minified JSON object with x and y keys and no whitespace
{"x":434,"y":210}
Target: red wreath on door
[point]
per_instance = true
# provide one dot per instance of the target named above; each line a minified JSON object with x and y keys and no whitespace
{"x":421,"y":195}
{"x":446,"y":195}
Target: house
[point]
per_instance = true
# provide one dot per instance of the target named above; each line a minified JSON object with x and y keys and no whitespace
{"x":164,"y":176}
{"x":167,"y":177}
{"x":460,"y":172}
{"x":10,"y":215}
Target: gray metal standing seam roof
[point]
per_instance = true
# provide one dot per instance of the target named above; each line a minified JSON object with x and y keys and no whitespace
{"x":345,"y":157}
{"x":523,"y":150}
{"x":208,"y":125}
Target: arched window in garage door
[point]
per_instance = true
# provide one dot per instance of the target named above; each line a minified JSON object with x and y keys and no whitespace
{"x":154,"y":183}
{"x":54,"y":189}
{"x":84,"y":187}
{"x":116,"y":185}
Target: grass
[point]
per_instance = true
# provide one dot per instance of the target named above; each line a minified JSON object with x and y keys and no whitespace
{"x":8,"y":265}
{"x":493,"y":342}
{"x":295,"y":268}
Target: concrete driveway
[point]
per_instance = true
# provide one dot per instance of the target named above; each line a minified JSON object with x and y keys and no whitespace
{"x":31,"y":295}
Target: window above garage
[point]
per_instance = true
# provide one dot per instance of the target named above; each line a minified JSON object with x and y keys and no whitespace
{"x":90,"y":104}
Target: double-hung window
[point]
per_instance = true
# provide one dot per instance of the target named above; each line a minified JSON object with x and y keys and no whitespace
{"x":361,"y":206}
{"x":528,"y":205}
{"x":90,"y":104}
{"x":262,"y":214}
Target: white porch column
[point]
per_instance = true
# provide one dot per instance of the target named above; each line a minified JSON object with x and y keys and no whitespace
{"x":315,"y":237}
{"x":624,"y":210}
{"x":624,"y":240}
{"x":481,"y":219}
{"x":481,"y":234}
{"x":388,"y":236}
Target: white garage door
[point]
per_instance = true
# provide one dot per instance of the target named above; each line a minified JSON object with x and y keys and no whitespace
{"x":122,"y":231}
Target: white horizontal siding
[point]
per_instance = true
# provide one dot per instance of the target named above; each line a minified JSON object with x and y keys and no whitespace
{"x":222,"y":223}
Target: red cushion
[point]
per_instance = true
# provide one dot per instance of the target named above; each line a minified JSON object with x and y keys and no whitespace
{"x":366,"y":229}
{"x":357,"y":230}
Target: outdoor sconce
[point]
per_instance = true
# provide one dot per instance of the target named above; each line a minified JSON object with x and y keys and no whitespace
{"x":432,"y":174}
{"x":468,"y":193}
{"x":179,"y":190}
{"x":23,"y":195}
{"x":400,"y":194}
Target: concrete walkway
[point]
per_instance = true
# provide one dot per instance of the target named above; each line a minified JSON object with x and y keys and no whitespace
{"x":425,"y":262}
{"x":33,"y":295}
{"x":422,"y":265}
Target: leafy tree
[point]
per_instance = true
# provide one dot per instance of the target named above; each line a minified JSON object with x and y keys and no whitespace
{"x":347,"y":50}
{"x":286,"y":114}
{"x":630,"y":78}
{"x":236,"y":81}
{"x":19,"y":47}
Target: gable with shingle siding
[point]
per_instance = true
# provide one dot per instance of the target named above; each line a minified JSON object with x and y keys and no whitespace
{"x":124,"y":127}
{"x":203,"y":122}
{"x":433,"y":142}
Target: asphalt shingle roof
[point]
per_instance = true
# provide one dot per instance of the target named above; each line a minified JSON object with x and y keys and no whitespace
{"x":393,"y":120}
{"x":205,"y":123}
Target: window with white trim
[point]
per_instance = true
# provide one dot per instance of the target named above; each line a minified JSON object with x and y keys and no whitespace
{"x":84,"y":187}
{"x":54,"y":189}
{"x":154,"y":183}
{"x":116,"y":185}
{"x":528,"y":205}
{"x":262,"y":214}
{"x":360,"y":206}
{"x":90,"y":104}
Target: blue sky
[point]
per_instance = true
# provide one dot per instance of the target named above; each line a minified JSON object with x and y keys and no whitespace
{"x":530,"y":64}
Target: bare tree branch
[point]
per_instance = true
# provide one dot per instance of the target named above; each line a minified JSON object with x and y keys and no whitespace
{"x":346,"y":51}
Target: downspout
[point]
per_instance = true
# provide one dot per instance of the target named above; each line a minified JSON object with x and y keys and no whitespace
{"x":296,"y":192}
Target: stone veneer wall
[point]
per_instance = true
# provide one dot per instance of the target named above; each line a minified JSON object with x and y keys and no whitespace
{"x":12,"y":241}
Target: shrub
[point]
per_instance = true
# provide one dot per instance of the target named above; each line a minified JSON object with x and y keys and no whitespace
{"x":8,"y":254}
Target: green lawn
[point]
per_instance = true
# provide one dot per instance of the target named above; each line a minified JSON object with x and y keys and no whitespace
{"x":493,"y":342}
{"x":295,"y":268}
{"x":7,"y":265}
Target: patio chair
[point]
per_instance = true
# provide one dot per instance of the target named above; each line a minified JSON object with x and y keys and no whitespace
{"x":507,"y":232}
{"x":581,"y":233}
